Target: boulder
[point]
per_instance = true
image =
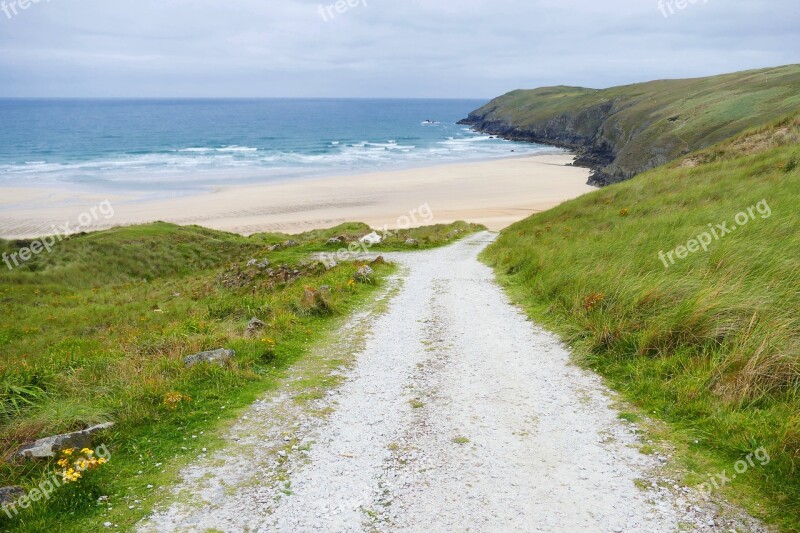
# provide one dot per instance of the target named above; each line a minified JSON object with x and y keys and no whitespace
{"x":50,"y":446}
{"x":217,"y":357}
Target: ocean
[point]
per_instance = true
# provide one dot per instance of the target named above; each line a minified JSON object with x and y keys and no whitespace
{"x":173,"y":147}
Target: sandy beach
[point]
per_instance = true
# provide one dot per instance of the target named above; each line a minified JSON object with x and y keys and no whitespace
{"x":495,"y":193}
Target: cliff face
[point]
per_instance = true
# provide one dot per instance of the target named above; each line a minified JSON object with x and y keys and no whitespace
{"x":623,"y":131}
{"x":581,"y":133}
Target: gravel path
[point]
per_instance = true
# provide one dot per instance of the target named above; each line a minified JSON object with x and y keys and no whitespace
{"x":454,"y":413}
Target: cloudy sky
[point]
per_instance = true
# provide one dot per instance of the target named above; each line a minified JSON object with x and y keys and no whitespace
{"x":378,"y":48}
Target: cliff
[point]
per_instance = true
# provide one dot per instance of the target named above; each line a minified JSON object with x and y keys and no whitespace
{"x":623,"y":131}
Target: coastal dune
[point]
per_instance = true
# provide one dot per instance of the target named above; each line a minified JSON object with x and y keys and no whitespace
{"x":495,"y":193}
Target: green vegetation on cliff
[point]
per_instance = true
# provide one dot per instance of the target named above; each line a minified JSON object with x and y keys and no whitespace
{"x":711,"y":343}
{"x":622,"y":131}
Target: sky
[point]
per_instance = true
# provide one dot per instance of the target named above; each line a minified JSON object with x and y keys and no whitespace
{"x":378,"y":48}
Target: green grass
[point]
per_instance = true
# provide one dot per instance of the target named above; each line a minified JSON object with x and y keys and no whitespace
{"x":622,"y":131}
{"x":711,"y":344}
{"x":97,"y":330}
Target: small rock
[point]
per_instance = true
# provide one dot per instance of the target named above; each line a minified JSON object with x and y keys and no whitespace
{"x":364,"y":273}
{"x":255,"y":326}
{"x":48,"y":447}
{"x":372,"y":238}
{"x":218,"y":357}
{"x":9,"y":495}
{"x":309,"y":297}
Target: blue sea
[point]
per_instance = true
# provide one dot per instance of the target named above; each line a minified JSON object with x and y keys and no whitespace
{"x":172,"y":147}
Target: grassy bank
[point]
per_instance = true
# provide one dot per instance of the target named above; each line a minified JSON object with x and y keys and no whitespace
{"x":711,"y":343}
{"x":621,"y":131}
{"x":97,"y":331}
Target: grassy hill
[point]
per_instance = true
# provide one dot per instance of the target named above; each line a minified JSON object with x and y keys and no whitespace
{"x":97,"y":329}
{"x":622,"y":131}
{"x":706,"y":337}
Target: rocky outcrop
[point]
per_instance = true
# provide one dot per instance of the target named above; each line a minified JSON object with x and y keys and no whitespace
{"x":583,"y":133}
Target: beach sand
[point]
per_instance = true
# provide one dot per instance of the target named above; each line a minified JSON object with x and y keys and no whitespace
{"x":495,"y":193}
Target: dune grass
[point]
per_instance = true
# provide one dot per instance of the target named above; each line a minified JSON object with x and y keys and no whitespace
{"x":97,"y":330}
{"x":711,"y":343}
